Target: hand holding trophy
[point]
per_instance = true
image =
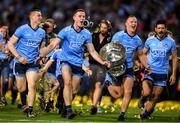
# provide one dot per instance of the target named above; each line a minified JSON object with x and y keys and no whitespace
{"x":115,"y":53}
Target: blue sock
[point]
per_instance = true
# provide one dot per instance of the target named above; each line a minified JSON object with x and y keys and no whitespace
{"x":68,"y":108}
{"x":23,"y":98}
{"x":30,"y":109}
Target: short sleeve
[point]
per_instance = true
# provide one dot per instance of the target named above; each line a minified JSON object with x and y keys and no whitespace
{"x":140,"y":46}
{"x":62,"y":33}
{"x":89,"y":38}
{"x":173,"y":46}
{"x":146,"y":44}
{"x":117,"y":37}
{"x":19,"y":31}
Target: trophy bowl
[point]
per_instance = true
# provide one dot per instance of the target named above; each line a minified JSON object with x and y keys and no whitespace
{"x":115,"y":53}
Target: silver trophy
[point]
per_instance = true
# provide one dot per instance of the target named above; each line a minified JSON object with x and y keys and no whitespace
{"x":115,"y":53}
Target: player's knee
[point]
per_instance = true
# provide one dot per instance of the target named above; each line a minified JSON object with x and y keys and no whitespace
{"x":98,"y":85}
{"x":21,"y":88}
{"x":154,"y":98}
{"x":128,"y":92}
{"x":67,"y":84}
{"x":75,"y":91}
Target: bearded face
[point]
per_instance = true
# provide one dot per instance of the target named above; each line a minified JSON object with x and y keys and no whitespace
{"x":103,"y":28}
{"x":160,"y":30}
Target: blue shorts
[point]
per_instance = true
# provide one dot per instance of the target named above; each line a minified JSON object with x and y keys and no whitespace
{"x":20,"y":69}
{"x":11,"y":73}
{"x":128,"y":73}
{"x":157,"y":79}
{"x":76,"y":70}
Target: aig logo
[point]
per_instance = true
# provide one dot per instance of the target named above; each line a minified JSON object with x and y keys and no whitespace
{"x":159,"y":53}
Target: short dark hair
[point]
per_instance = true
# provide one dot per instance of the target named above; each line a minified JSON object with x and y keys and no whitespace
{"x":161,"y":22}
{"x":130,"y":16}
{"x":79,"y":10}
{"x":34,"y":10}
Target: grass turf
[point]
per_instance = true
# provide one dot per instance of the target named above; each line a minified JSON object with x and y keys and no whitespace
{"x":10,"y":113}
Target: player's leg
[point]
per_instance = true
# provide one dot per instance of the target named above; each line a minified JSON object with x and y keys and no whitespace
{"x":5,"y":76}
{"x":146,"y":92}
{"x":32,"y":78}
{"x":99,"y":74}
{"x":19,"y":72}
{"x":116,"y":91}
{"x":127,"y":85}
{"x":60,"y":100}
{"x":55,"y":85}
{"x":67,"y":92}
{"x":76,"y":84}
{"x":149,"y":106}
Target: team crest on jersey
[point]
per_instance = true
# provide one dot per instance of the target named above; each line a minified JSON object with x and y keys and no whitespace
{"x":83,"y":38}
{"x":165,"y":46}
{"x":41,"y":35}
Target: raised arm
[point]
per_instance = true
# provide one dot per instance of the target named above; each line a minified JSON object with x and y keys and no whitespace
{"x":96,"y":56}
{"x":44,"y":51}
{"x":47,"y":65}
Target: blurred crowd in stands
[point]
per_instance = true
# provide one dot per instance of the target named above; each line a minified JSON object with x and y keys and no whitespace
{"x":13,"y":12}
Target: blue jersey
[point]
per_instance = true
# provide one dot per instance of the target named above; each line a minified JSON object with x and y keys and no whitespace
{"x":1,"y":37}
{"x":130,"y":43}
{"x":73,"y":44}
{"x":57,"y":56}
{"x":159,"y":52}
{"x":29,"y":42}
{"x":50,"y":53}
{"x":3,"y":55}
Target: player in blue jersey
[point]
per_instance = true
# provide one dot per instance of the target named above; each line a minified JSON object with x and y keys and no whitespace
{"x":4,"y":61}
{"x":57,"y":56}
{"x":158,"y":49}
{"x":74,"y":39}
{"x":30,"y":38}
{"x":131,"y":41}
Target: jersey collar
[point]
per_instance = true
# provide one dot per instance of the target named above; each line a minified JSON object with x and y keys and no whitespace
{"x":32,"y":28}
{"x":128,"y":33}
{"x":72,"y":26}
{"x":161,"y":38}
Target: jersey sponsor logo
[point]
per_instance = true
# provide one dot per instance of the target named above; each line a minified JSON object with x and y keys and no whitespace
{"x":74,"y":45}
{"x":33,"y":43}
{"x":159,"y":53}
